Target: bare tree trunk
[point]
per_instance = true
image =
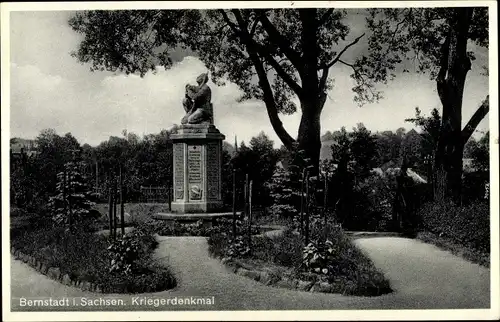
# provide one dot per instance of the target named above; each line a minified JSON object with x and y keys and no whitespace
{"x":455,"y":65}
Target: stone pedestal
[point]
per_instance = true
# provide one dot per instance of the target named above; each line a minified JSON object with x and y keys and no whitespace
{"x":197,"y":169}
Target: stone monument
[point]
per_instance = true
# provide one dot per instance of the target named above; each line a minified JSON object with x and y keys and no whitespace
{"x":197,"y":153}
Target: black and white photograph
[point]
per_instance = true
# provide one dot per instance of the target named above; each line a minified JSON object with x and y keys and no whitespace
{"x":273,"y":160}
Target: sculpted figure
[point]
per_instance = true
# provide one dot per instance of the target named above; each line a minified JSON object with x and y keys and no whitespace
{"x":196,"y":102}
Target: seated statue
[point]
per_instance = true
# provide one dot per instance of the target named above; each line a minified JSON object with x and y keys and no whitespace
{"x":197,"y":103}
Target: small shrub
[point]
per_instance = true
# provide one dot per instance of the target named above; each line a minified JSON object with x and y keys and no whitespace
{"x":468,"y":226}
{"x":330,"y":257}
{"x":86,"y":256}
{"x":123,"y":252}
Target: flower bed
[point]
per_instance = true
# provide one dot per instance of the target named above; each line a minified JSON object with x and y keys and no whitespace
{"x":84,"y":260}
{"x":175,"y":228}
{"x":333,"y":265}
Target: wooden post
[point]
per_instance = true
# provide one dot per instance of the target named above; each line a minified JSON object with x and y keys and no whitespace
{"x":122,"y":206}
{"x":250,"y":214}
{"x":97,"y":177}
{"x":234,"y":204}
{"x":169,"y":193}
{"x":246,"y":194}
{"x":115,"y":197}
{"x":65,"y":198}
{"x":307,"y":209}
{"x":110,"y":210}
{"x":325,"y":202}
{"x":302,"y":202}
{"x":70,"y":217}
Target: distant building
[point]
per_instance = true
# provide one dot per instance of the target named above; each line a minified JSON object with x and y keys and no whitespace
{"x":19,"y":146}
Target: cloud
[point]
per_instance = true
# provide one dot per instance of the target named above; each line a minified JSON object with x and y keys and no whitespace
{"x":50,"y":89}
{"x":141,"y":105}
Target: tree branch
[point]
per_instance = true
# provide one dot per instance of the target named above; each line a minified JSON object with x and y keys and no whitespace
{"x":254,"y":26}
{"x":337,"y":58}
{"x":279,"y":70}
{"x":231,"y":24}
{"x":242,"y":32}
{"x":474,"y":121}
{"x":281,"y":41}
{"x":268,"y":95}
{"x":324,"y":77}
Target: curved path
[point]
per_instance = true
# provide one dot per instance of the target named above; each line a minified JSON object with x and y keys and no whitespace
{"x":422,"y":276}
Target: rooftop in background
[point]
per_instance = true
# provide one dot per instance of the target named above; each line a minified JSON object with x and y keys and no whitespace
{"x":18,"y":145}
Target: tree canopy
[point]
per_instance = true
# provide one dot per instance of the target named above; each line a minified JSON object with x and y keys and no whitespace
{"x":284,"y":56}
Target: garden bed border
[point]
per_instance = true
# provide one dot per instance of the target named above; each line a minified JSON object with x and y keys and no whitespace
{"x":266,"y":278}
{"x":54,"y":273}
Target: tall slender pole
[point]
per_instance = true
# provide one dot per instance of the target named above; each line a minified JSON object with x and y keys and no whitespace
{"x":246,"y":194}
{"x":122,"y":206}
{"x":234,"y":204}
{"x":110,"y":210}
{"x":250,"y":215}
{"x":325,"y":201}
{"x":65,"y":197}
{"x":115,"y":197}
{"x":69,"y":201}
{"x":307,"y":209}
{"x":96,"y":177}
{"x":302,"y":202}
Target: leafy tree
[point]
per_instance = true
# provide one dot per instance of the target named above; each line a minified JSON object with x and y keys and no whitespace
{"x":72,"y":204}
{"x":284,"y":195}
{"x":364,"y":150}
{"x":431,"y":128}
{"x":439,"y":40}
{"x":469,"y":147}
{"x":274,"y":55}
{"x":481,"y":153}
{"x":258,"y":160}
{"x":388,"y":147}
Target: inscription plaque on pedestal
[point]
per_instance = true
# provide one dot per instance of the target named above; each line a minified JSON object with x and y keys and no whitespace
{"x":179,"y":171}
{"x":195,"y":179}
{"x":213,"y":171}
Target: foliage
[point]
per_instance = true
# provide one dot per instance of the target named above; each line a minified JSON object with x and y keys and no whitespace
{"x":176,"y":228}
{"x":85,"y":256}
{"x":340,"y":262}
{"x":388,"y":147}
{"x":441,"y":41}
{"x":123,"y":253}
{"x":284,"y":198}
{"x":274,"y":55}
{"x":481,"y":154}
{"x":456,"y":249}
{"x":74,"y":199}
{"x":468,"y":226}
{"x":238,"y":247}
{"x":363,"y":151}
{"x":258,"y":160}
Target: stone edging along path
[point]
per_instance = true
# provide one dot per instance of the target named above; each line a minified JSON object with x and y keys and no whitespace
{"x":268,"y":279}
{"x":55,"y":273}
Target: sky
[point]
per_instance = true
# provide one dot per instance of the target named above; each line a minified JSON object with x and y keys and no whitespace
{"x":51,"y":89}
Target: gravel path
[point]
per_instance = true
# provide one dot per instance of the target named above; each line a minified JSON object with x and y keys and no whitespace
{"x":422,"y":275}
